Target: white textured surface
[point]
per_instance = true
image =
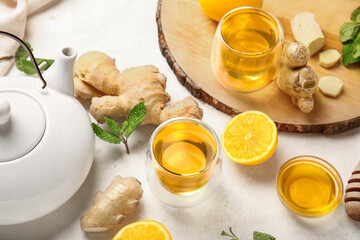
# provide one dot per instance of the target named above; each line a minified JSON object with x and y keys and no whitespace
{"x":246,"y":198}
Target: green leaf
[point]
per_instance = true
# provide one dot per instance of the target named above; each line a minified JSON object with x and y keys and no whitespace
{"x":46,"y":65}
{"x":113,"y":125}
{"x":348,"y":31}
{"x":355,"y":15}
{"x":262,"y":236}
{"x":356,"y":54}
{"x":28,"y":67}
{"x":124,"y":125}
{"x":23,"y":64}
{"x":350,"y":52}
{"x":134,"y":119}
{"x":105,"y":135}
{"x":21,"y":53}
{"x":233,"y":236}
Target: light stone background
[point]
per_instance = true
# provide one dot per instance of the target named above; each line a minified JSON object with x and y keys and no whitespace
{"x":246,"y":198}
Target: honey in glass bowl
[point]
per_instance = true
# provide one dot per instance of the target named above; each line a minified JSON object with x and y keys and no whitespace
{"x":309,"y":186}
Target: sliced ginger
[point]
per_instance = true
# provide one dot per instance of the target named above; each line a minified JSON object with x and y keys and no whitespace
{"x":114,"y":94}
{"x":330,"y":86}
{"x":329,"y":58}
{"x":307,"y":31}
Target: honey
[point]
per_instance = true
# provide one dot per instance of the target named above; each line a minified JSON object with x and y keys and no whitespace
{"x":246,"y":49}
{"x":309,"y":186}
{"x":185,"y":151}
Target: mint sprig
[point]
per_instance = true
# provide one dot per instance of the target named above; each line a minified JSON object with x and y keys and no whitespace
{"x":117,"y":134}
{"x":256,"y":235}
{"x":350,"y":36}
{"x":24,"y":64}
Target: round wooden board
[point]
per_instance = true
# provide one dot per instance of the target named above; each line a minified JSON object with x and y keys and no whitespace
{"x":185,"y":38}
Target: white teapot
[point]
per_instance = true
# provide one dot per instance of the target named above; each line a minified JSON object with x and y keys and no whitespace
{"x":46,"y":141}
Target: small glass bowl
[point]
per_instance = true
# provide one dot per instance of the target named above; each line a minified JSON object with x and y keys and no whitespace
{"x":309,"y":186}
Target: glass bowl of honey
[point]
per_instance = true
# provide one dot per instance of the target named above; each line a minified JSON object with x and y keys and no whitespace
{"x":309,"y":186}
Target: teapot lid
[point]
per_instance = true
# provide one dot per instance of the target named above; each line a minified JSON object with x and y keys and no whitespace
{"x":22,"y":124}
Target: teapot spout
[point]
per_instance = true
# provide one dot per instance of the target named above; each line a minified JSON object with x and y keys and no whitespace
{"x":60,"y":75}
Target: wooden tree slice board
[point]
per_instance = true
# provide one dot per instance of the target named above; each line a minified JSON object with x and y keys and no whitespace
{"x":185,"y":38}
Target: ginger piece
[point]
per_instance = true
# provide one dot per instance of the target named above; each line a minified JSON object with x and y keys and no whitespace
{"x":296,"y":55}
{"x":111,"y":207}
{"x":329,"y":58}
{"x":301,"y":82}
{"x":122,"y":91}
{"x":331,"y":86}
{"x":306,"y":30}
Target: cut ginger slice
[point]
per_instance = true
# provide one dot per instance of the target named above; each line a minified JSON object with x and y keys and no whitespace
{"x":329,"y":58}
{"x":330,"y":86}
{"x":143,"y":230}
{"x":250,"y":138}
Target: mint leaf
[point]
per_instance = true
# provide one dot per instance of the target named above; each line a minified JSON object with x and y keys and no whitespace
{"x":262,"y":236}
{"x":105,"y":135}
{"x":124,"y":125}
{"x":134,"y":119}
{"x":355,"y":15}
{"x":28,"y":67}
{"x":21,"y":53}
{"x":356,"y":54}
{"x":348,"y":31}
{"x":113,"y":126}
{"x":23,"y":64}
{"x":350,"y":52}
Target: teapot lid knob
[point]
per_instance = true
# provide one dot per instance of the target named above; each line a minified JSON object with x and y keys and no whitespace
{"x":5,"y":111}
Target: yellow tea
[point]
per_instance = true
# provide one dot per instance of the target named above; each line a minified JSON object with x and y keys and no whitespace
{"x":185,"y":152}
{"x":309,"y":187}
{"x":246,"y":49}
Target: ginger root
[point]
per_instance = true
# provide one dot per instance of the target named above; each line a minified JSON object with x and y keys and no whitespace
{"x":114,"y":94}
{"x":111,"y":207}
{"x":296,"y":78}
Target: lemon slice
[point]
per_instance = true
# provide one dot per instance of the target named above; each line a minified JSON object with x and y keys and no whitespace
{"x":143,"y":230}
{"x":250,"y":138}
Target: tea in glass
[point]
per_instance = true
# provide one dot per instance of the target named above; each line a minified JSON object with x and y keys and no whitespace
{"x":247,"y":49}
{"x":184,"y":153}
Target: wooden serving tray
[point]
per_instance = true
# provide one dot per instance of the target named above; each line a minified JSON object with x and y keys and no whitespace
{"x":185,"y":38}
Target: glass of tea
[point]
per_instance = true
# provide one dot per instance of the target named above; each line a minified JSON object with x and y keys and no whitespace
{"x":247,"y":49}
{"x":309,"y":186}
{"x":183,"y":162}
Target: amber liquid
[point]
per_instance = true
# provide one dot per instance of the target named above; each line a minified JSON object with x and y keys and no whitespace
{"x":185,"y":152}
{"x":309,"y":189}
{"x":246,"y":51}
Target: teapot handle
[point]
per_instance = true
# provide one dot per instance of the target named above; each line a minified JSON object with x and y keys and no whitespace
{"x":22,"y":43}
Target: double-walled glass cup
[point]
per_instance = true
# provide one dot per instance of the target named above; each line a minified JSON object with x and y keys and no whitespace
{"x":183,"y":162}
{"x":247,"y":49}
